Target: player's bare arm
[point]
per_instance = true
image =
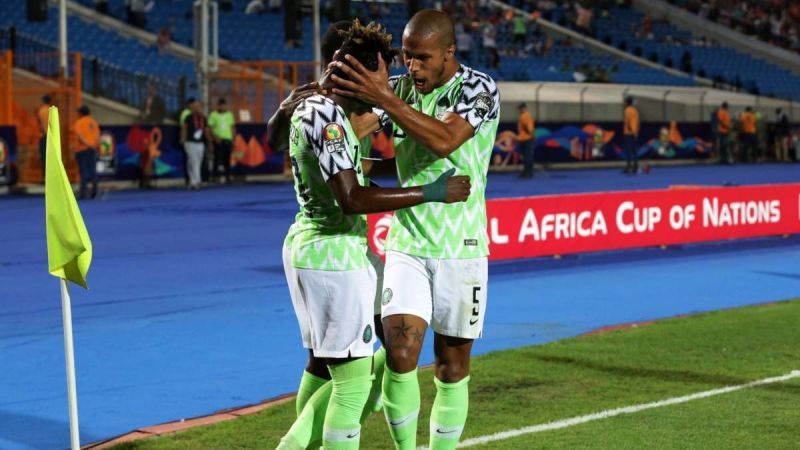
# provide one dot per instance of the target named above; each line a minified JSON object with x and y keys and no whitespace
{"x":442,"y":137}
{"x":356,"y":199}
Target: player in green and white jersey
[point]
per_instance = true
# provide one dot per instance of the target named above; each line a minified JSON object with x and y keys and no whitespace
{"x":445,"y":117}
{"x":336,"y":282}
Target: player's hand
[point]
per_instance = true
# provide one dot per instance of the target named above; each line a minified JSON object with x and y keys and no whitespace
{"x":447,"y":188}
{"x":365,"y":85}
{"x":458,"y":189}
{"x":298,"y":95}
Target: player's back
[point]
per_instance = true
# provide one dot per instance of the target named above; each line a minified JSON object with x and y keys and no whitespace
{"x":322,"y":143}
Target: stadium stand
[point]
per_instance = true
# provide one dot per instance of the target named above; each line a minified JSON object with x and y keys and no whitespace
{"x":664,"y":43}
{"x":113,"y":66}
{"x":776,"y":22}
{"x":260,"y":37}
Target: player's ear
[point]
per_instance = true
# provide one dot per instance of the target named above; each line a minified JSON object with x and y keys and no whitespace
{"x":449,"y":52}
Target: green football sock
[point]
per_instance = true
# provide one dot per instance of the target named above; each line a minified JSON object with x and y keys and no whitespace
{"x":401,"y":406}
{"x":306,"y":431}
{"x":309,"y":384}
{"x":375,"y":400}
{"x":449,"y":413}
{"x":351,"y":384}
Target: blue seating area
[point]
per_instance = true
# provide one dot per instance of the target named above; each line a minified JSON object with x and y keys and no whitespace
{"x":109,"y":47}
{"x":667,"y":45}
{"x":260,"y":37}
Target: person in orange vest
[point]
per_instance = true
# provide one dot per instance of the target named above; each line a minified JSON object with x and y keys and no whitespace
{"x":43,"y":116}
{"x":525,"y":133}
{"x":723,"y":133}
{"x":630,"y":136}
{"x":747,"y":134}
{"x":88,"y":133}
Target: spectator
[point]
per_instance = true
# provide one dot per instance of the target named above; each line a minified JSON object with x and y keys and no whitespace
{"x":782,"y":133}
{"x":464,"y":46}
{"x":163,"y":39}
{"x":154,"y":110}
{"x":723,"y":131}
{"x":275,"y":6}
{"x":583,"y":21}
{"x":254,"y":7}
{"x":292,"y":31}
{"x":223,"y":129}
{"x":747,"y":134}
{"x":101,"y":6}
{"x":137,"y":13}
{"x":43,"y":116}
{"x":87,"y":132}
{"x":194,"y":135}
{"x":686,"y":61}
{"x":525,"y":133}
{"x":490,"y":45}
{"x":519,"y":30}
{"x":630,"y":136}
{"x":184,"y":114}
{"x":226,"y":5}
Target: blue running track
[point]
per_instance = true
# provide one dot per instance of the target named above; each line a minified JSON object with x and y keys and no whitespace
{"x":188,"y":312}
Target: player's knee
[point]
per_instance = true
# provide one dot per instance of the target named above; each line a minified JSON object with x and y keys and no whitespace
{"x":401,"y":360}
{"x":451,"y":371}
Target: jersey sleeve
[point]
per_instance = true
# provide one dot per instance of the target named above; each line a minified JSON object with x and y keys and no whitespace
{"x":325,"y":134}
{"x":479,"y":101}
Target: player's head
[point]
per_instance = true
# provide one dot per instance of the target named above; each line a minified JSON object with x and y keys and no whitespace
{"x":222,"y":104}
{"x":749,"y":109}
{"x":429,"y":49}
{"x":724,"y":105}
{"x":628,"y":101}
{"x":46,"y":99}
{"x":83,"y":111}
{"x":364,"y":43}
{"x":522,"y":107}
{"x":333,"y":40}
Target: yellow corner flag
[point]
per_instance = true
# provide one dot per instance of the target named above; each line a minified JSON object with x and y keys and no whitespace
{"x":69,"y":250}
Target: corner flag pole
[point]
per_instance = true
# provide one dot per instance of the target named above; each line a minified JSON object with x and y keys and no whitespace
{"x":69,"y":251}
{"x":69,"y":355}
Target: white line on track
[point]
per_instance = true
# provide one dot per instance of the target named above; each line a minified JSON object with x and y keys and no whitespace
{"x":619,"y":411}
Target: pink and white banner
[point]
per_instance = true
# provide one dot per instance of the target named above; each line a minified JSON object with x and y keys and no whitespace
{"x":561,"y":224}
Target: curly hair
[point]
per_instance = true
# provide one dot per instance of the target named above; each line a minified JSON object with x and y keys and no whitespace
{"x":364,"y":42}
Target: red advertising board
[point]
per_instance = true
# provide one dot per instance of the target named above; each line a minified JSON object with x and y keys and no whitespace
{"x":562,"y":224}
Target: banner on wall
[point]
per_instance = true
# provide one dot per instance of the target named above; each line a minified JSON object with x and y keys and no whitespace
{"x":106,"y":160}
{"x":562,"y":224}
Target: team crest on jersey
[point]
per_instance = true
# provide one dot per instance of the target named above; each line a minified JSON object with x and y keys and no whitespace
{"x":367,"y":336}
{"x":483,"y":104}
{"x":333,"y":138}
{"x":387,"y":296}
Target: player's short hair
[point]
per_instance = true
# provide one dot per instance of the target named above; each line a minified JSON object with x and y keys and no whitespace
{"x":364,"y":42}
{"x":333,"y":39}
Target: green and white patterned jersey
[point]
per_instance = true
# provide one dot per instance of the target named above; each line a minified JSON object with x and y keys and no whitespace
{"x":438,"y":230}
{"x":322,"y":143}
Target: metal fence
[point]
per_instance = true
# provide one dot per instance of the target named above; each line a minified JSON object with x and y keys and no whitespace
{"x":99,"y":77}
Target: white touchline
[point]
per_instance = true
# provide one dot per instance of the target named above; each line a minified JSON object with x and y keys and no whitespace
{"x":618,"y":411}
